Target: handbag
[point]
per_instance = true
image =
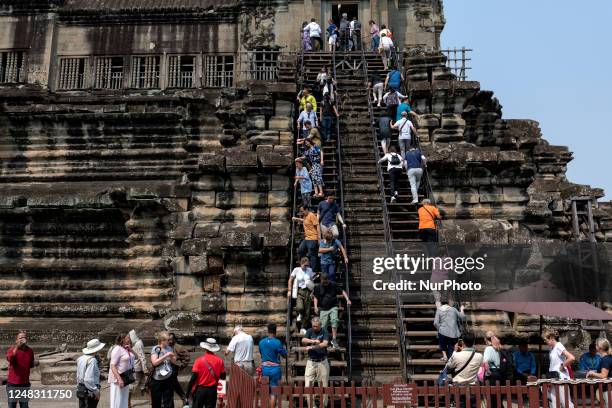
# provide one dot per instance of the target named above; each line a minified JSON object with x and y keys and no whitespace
{"x":82,"y":391}
{"x":128,"y":376}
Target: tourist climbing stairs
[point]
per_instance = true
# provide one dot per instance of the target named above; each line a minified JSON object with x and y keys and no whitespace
{"x":338,"y":358}
{"x":416,"y":312}
{"x":375,"y":345}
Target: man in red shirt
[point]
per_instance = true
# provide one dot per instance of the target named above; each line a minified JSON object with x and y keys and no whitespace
{"x":206,"y":372}
{"x":21,"y":359}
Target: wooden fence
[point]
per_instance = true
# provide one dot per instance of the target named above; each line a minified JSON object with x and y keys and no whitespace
{"x":245,"y":392}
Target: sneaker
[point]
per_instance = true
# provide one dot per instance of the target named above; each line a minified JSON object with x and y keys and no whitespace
{"x":303,"y":332}
{"x":393,"y":199}
{"x":414,"y":202}
{"x":396,"y":194}
{"x":335,"y":344}
{"x":299,"y":318}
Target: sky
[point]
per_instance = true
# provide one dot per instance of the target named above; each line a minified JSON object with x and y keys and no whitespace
{"x":547,"y":60}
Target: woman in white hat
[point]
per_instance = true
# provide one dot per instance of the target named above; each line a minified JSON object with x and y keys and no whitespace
{"x":88,"y":375}
{"x":206,"y":373}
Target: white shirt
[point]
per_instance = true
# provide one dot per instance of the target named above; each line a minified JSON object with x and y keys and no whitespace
{"x":301,"y":278}
{"x":557,"y":359}
{"x":315,"y":29}
{"x":388,"y":157}
{"x":386,"y":42}
{"x":242,"y":347}
{"x":405,"y":125}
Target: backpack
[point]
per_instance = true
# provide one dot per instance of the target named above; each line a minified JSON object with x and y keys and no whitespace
{"x":344,"y":25}
{"x":395,"y":159}
{"x":357,"y":25}
{"x":392,"y":99}
{"x":506,"y":364}
{"x":395,"y":78}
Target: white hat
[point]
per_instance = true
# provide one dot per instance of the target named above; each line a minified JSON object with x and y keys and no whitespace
{"x":210,"y":344}
{"x":93,"y":346}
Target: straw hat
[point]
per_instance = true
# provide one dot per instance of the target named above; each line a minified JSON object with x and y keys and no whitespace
{"x":93,"y":346}
{"x":210,"y":344}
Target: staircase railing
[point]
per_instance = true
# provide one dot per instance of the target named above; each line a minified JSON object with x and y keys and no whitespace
{"x":387,"y":225}
{"x":426,"y":183}
{"x":340,"y":190}
{"x":293,"y":212}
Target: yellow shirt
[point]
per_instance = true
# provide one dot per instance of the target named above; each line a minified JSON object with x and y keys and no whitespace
{"x":307,"y":99}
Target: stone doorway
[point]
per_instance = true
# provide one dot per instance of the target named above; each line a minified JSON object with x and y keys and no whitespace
{"x":351,"y":9}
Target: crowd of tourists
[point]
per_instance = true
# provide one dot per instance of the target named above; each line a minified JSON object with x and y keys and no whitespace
{"x":499,"y":364}
{"x":348,"y":35}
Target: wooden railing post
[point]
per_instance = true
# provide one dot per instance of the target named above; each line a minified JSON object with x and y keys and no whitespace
{"x":534,"y":393}
{"x":264,"y":392}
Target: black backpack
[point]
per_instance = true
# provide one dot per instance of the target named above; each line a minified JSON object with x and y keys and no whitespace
{"x":506,"y":365}
{"x":395,"y":159}
{"x":356,"y":25}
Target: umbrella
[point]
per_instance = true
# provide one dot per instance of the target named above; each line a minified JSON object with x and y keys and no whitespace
{"x":571,"y":310}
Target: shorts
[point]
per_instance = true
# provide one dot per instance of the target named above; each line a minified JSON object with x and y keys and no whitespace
{"x":329,"y":316}
{"x":273,"y":373}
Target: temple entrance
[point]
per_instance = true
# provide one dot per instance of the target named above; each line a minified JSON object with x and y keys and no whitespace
{"x":350,"y":9}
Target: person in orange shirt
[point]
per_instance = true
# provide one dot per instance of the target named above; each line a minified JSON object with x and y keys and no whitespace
{"x":428,"y":214}
{"x":310,"y":244}
{"x":206,"y":373}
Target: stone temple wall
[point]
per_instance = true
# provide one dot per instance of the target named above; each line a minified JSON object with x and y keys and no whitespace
{"x":491,"y":175}
{"x":122,"y":207}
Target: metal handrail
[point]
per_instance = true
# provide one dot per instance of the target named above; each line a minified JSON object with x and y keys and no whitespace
{"x":387,"y":225}
{"x":426,"y":182}
{"x":340,"y":190}
{"x":292,"y":239}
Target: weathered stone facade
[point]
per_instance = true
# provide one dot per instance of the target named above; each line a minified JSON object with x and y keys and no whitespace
{"x":491,"y":176}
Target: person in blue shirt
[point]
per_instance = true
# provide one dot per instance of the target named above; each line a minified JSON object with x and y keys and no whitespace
{"x":590,"y":361}
{"x":328,"y":252}
{"x":404,"y":106}
{"x":271,"y":349}
{"x":524,"y":362}
{"x":303,"y":178}
{"x":328,"y":212}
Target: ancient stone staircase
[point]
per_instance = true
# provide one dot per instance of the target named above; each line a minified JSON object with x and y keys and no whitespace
{"x":338,"y":358}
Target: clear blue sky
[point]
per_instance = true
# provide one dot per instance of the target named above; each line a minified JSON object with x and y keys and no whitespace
{"x":550,"y":61}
